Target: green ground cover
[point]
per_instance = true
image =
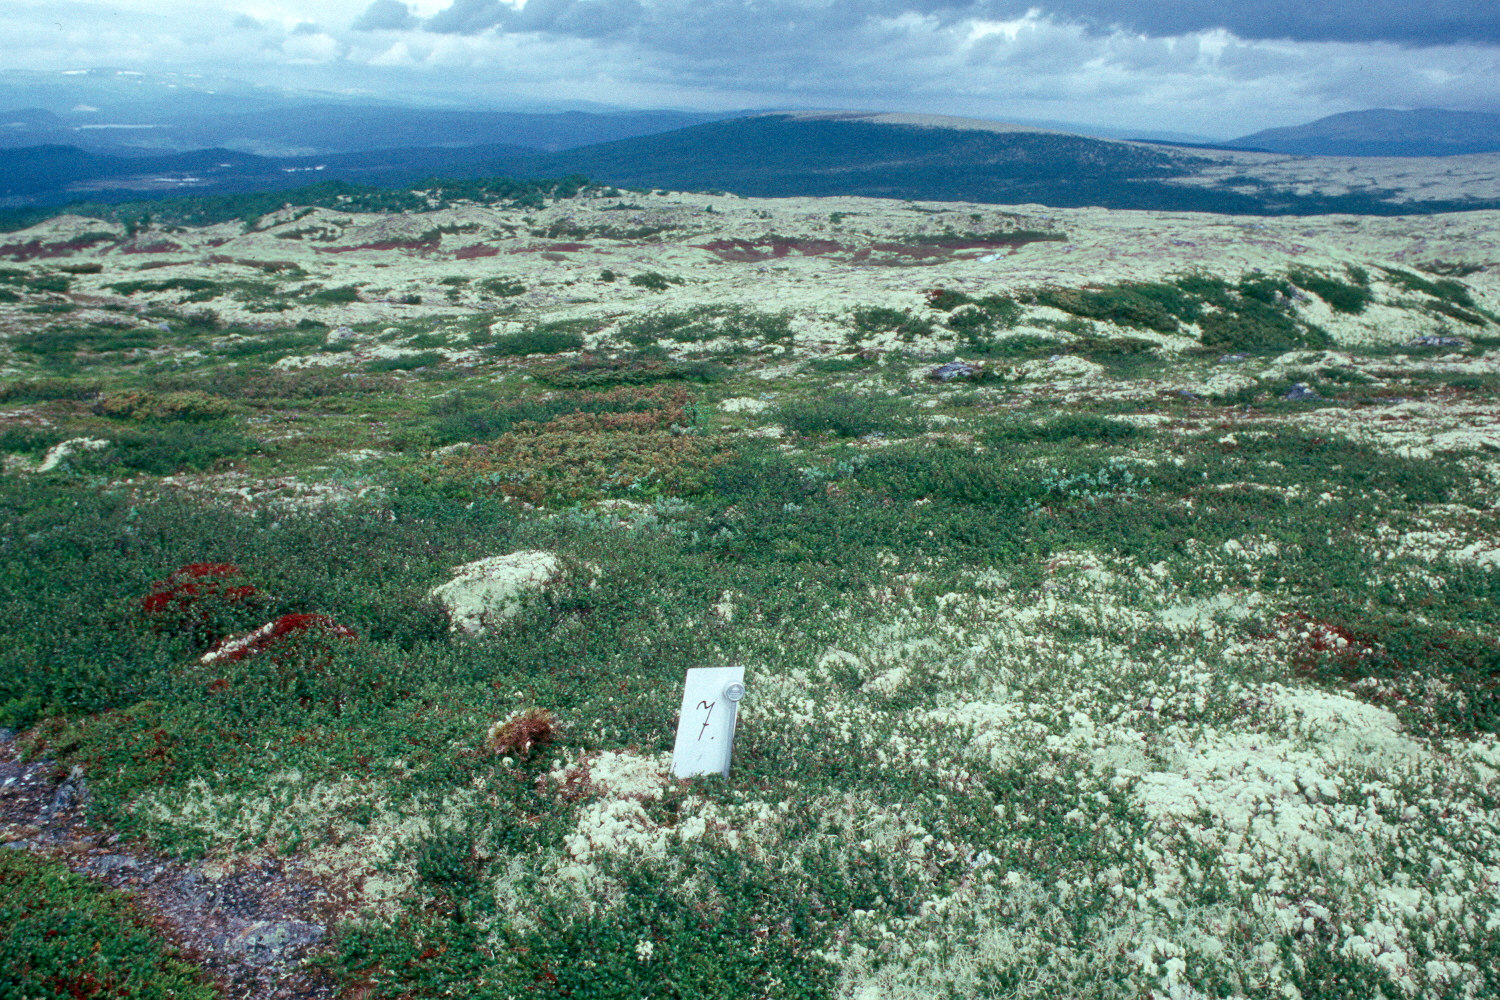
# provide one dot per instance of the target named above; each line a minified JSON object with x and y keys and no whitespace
{"x":1103,"y":670}
{"x":67,"y":938}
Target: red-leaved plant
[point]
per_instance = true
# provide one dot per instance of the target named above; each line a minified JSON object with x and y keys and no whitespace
{"x":201,"y":600}
{"x":294,"y":654}
{"x":278,"y":635}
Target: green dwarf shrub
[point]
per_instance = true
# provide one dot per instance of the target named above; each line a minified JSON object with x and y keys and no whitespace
{"x":66,"y":937}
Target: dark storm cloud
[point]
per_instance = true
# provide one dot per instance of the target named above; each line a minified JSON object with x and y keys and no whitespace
{"x":385,"y":15}
{"x":1410,"y":22}
{"x":468,"y":17}
{"x":1407,"y":22}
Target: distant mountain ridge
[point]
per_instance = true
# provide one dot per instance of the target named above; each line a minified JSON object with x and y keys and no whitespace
{"x":813,"y":154}
{"x":52,"y":174}
{"x":300,"y":128}
{"x":940,"y":158}
{"x":1383,"y":132}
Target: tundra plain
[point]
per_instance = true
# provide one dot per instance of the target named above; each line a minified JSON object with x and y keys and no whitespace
{"x":1116,"y":592}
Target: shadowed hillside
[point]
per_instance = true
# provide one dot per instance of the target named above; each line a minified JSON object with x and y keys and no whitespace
{"x":789,"y":155}
{"x":1383,"y":132}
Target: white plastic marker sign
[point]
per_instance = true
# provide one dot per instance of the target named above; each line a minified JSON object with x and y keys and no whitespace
{"x":705,"y":729}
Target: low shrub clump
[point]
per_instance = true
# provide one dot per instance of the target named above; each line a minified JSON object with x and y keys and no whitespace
{"x":461,"y":417}
{"x":549,"y":338}
{"x":522,"y":733}
{"x":735,"y":323}
{"x":1447,"y":289}
{"x":504,"y":288}
{"x":48,"y":389}
{"x":594,"y":371}
{"x":844,"y":414}
{"x":1342,"y":296}
{"x":202,"y":601}
{"x":1068,"y":427}
{"x":628,"y":442}
{"x":184,"y":405}
{"x":166,"y":285}
{"x":976,"y":321}
{"x":1255,"y":314}
{"x":272,"y":348}
{"x":342,"y":295}
{"x":881,"y":319}
{"x":167,"y":448}
{"x":62,"y":345}
{"x":1158,"y":306}
{"x":405,"y":362}
{"x":653,"y":281}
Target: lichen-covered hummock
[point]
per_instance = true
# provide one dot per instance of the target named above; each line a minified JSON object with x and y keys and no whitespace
{"x":489,"y":590}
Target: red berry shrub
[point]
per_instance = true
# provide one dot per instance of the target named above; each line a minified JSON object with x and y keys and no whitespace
{"x":278,"y":637}
{"x":201,"y":600}
{"x":293,"y":657}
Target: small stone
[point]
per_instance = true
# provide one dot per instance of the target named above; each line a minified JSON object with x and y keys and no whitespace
{"x":953,"y":370}
{"x":74,"y":791}
{"x":1301,"y":392}
{"x":1227,"y":359}
{"x":1433,"y":340}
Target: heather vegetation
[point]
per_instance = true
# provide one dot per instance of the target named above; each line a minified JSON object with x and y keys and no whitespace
{"x":1103,"y":638}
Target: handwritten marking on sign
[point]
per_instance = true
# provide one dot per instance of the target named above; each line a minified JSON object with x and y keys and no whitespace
{"x":705,"y":730}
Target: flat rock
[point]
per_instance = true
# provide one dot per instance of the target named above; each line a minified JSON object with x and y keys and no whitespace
{"x":111,"y":862}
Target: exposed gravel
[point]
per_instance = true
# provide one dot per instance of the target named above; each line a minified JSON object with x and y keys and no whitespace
{"x":248,"y":922}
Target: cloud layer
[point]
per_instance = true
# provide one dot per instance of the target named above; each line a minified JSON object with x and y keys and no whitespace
{"x":1407,"y":22}
{"x":1185,"y":65}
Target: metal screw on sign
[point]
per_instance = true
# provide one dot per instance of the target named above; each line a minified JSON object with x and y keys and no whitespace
{"x":705,"y":726}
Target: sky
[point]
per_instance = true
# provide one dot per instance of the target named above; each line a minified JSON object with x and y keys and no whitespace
{"x":1205,"y":67}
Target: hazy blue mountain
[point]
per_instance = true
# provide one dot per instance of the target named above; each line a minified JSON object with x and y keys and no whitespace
{"x":769,"y":155}
{"x":54,"y":174}
{"x":1383,"y":132}
{"x":311,"y":129}
{"x":125,"y":113}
